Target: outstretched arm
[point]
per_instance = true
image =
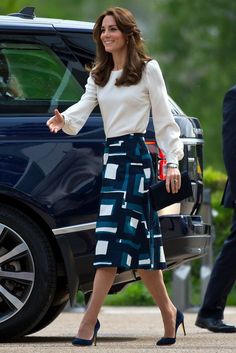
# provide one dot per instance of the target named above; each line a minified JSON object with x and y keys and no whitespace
{"x":73,"y":119}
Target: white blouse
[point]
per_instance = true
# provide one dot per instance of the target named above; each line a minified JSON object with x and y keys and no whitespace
{"x":126,"y":110}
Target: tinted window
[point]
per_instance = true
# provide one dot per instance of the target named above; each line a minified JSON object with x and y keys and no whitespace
{"x":34,"y":80}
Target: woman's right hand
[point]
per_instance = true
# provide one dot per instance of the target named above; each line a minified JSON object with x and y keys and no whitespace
{"x":57,"y":122}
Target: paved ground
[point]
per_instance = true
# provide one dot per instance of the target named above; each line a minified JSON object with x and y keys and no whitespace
{"x":125,"y":330}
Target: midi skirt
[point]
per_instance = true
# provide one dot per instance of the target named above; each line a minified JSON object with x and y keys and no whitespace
{"x":127,"y":230}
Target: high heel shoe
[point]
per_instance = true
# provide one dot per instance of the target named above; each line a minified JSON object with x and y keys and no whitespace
{"x":83,"y":342}
{"x":164,"y":341}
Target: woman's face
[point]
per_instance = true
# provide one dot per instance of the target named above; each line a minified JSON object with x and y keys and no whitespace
{"x":113,"y":39}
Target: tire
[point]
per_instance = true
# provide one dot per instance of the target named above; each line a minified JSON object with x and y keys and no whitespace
{"x":52,"y":313}
{"x":27,"y":273}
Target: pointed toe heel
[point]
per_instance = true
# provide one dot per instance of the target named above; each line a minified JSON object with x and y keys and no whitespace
{"x":83,"y":342}
{"x":166,"y":341}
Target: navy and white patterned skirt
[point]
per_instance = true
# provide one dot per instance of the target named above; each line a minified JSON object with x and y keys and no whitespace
{"x":127,"y":230}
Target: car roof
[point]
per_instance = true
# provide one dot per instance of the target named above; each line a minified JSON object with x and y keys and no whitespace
{"x":40,"y":22}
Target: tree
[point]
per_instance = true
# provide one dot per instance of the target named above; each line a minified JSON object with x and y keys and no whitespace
{"x":195,"y":44}
{"x":7,"y":7}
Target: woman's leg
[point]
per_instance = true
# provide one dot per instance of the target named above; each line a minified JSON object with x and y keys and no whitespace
{"x":154,"y":282}
{"x":103,"y":281}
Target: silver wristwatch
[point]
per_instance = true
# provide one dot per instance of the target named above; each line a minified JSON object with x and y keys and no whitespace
{"x":172,"y":165}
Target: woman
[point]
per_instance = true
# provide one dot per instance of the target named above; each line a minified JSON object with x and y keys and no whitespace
{"x":126,"y":84}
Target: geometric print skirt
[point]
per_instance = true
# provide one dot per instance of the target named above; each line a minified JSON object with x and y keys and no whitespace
{"x":127,"y":230}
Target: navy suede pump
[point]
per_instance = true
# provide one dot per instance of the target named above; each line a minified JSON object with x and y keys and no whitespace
{"x":83,"y":342}
{"x":165,"y":341}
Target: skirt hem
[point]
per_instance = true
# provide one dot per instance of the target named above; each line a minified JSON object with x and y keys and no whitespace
{"x":142,"y":267}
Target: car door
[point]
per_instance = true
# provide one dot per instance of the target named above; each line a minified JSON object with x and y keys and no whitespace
{"x":59,"y":175}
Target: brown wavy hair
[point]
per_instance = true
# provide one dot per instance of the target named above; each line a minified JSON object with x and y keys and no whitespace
{"x":136,"y":56}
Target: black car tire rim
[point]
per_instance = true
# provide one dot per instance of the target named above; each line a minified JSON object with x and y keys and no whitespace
{"x":17,"y":272}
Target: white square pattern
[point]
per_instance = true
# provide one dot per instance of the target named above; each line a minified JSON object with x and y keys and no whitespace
{"x":141,"y":186}
{"x":133,"y":222}
{"x":111,"y":170}
{"x":101,"y":247}
{"x":162,"y":255}
{"x":147,"y":172}
{"x":128,"y":261}
{"x":105,"y":210}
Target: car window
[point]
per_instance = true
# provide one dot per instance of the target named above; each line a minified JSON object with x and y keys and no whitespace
{"x":34,"y":80}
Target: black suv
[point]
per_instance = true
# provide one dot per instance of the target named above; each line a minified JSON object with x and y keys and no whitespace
{"x":49,"y":184}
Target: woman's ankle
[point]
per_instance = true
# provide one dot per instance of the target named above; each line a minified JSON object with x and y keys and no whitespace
{"x":86,"y":329}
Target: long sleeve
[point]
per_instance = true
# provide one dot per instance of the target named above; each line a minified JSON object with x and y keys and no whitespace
{"x":166,"y":130}
{"x":77,"y":115}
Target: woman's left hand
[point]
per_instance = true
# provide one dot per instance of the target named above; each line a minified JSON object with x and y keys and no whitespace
{"x":173,"y":180}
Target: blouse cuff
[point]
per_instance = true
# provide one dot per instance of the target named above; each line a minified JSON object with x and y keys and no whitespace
{"x":172,"y":159}
{"x":68,"y":128}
